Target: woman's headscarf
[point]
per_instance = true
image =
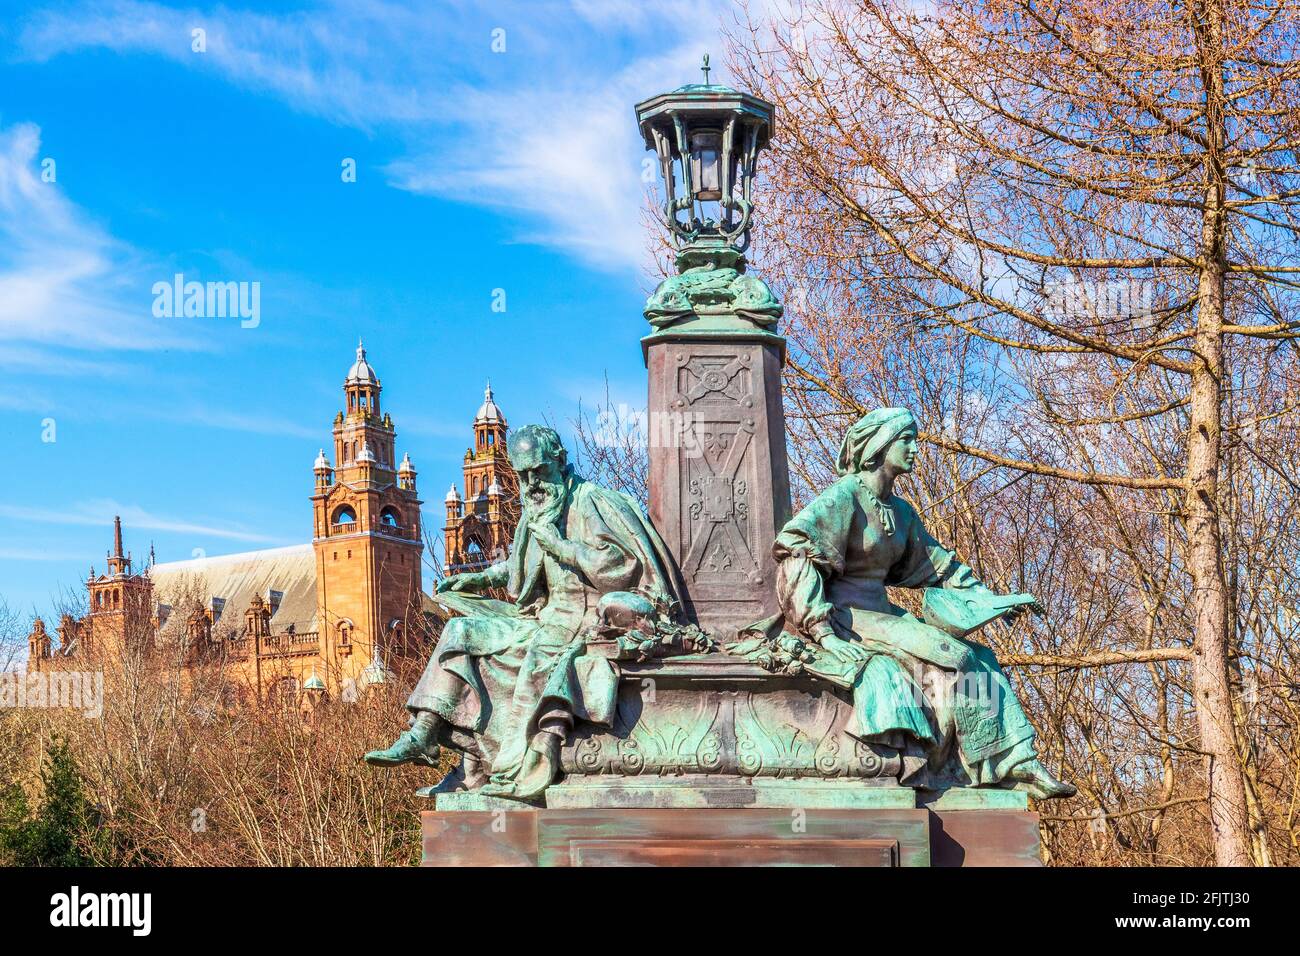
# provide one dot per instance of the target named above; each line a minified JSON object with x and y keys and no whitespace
{"x":870,"y":435}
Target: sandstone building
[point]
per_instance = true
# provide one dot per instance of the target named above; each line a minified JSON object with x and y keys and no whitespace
{"x":481,"y":525}
{"x":326,"y":616}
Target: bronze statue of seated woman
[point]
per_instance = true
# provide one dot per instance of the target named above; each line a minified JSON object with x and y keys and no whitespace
{"x":918,"y":686}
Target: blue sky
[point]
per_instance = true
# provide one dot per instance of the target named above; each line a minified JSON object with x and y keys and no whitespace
{"x":476,"y":170}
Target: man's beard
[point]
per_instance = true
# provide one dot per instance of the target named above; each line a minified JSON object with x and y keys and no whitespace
{"x":548,"y":505}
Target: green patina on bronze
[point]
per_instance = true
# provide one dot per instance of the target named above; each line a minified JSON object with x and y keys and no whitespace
{"x":712,"y":282}
{"x":707,"y":138}
{"x":509,"y":679}
{"x":939,"y":698}
{"x":591,"y":674}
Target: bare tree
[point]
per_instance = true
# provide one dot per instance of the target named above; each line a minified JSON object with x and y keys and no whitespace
{"x":1066,"y":231}
{"x":611,"y":446}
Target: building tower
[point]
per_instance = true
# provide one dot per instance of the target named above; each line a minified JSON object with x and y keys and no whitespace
{"x":481,"y":526}
{"x":121,"y":606}
{"x":367,"y":537}
{"x":39,"y":646}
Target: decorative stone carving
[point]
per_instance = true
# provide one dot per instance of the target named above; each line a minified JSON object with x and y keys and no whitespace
{"x":719,"y":485}
{"x":720,"y":716}
{"x":712,"y":281}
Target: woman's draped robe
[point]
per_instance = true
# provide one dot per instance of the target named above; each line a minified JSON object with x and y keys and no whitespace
{"x":504,"y":670}
{"x":922,"y":690}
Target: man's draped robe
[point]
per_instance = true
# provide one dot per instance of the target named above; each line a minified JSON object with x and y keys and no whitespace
{"x":498,"y":673}
{"x":835,"y":559}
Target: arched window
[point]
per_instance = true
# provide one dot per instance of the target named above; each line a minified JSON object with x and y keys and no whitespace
{"x":345,"y":515}
{"x":389,"y":518}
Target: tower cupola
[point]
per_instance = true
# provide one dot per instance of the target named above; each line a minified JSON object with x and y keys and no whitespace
{"x":324,"y":473}
{"x":489,"y":427}
{"x":488,"y":413}
{"x":406,"y":473}
{"x":362,"y":387}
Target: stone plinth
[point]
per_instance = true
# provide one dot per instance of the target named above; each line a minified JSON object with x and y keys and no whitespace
{"x":733,"y":822}
{"x":719,"y":485}
{"x":649,"y":837}
{"x":714,"y":761}
{"x":695,"y":792}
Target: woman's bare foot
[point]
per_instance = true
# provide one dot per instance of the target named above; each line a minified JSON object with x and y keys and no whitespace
{"x":1037,"y":781}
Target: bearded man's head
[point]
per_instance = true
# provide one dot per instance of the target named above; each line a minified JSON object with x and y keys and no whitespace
{"x":539,"y":459}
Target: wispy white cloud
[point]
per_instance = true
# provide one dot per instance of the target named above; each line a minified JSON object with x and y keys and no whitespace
{"x":414,"y":423}
{"x":55,"y":361}
{"x":99,"y":512}
{"x":63,"y":279}
{"x":566,"y":158}
{"x":357,"y":63}
{"x":544,"y":130}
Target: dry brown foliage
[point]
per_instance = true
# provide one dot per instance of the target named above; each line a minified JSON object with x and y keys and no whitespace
{"x":185,"y":770}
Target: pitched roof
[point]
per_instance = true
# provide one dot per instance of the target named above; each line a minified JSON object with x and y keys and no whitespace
{"x":238,"y":577}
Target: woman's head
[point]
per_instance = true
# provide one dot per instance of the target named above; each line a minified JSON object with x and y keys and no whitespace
{"x":886,"y":436}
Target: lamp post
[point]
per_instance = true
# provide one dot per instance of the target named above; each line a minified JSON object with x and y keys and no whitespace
{"x":719,"y":483}
{"x":707,"y":138}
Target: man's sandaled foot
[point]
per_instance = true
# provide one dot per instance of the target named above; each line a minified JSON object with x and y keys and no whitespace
{"x":408,"y":748}
{"x":1037,"y":781}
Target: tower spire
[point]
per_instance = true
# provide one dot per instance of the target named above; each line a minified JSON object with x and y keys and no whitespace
{"x":118,"y":563}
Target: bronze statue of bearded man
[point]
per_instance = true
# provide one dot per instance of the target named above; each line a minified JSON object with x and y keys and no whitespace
{"x":508,"y":680}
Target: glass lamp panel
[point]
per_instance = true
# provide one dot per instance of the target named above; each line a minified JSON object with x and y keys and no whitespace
{"x":706,"y":164}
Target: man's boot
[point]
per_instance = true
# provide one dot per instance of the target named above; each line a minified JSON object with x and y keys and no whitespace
{"x":417,"y":745}
{"x":541,"y":764}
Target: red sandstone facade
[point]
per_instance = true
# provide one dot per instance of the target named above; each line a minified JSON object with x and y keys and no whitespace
{"x":327,"y":618}
{"x":481,"y":526}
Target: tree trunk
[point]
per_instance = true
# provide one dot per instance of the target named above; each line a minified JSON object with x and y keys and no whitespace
{"x":1229,"y":825}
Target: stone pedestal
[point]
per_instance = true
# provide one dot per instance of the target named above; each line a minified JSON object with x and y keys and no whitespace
{"x":665,"y":823}
{"x":719,"y":485}
{"x":714,"y":761}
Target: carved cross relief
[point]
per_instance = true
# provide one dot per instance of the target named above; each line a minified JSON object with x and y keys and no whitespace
{"x":715,"y":435}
